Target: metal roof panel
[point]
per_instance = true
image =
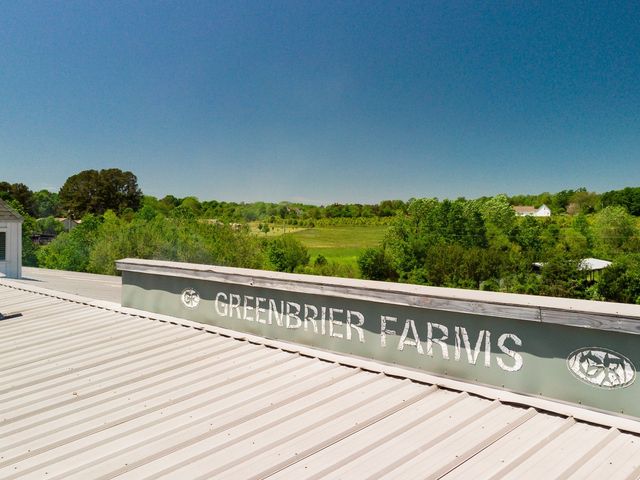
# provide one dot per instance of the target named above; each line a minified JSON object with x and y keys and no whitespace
{"x":90,"y":392}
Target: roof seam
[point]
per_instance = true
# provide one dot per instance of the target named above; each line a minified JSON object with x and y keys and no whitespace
{"x":347,"y":433}
{"x":431,"y":442}
{"x":477,"y":449}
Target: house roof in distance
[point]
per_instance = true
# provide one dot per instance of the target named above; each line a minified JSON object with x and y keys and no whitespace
{"x":524,"y":209}
{"x":93,"y":390}
{"x":593,"y":264}
{"x":8,"y":214}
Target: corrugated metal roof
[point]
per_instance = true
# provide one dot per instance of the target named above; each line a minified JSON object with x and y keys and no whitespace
{"x":97,"y":393}
{"x":8,"y":214}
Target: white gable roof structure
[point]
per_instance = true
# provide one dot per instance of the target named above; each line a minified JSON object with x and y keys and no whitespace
{"x":543,"y":211}
{"x":10,"y":241}
{"x":90,"y":389}
{"x":528,"y":211}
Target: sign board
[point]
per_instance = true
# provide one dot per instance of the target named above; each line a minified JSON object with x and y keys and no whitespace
{"x":502,"y":345}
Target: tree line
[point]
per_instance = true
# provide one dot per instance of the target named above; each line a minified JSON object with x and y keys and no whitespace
{"x":95,"y":192}
{"x":482,"y":244}
{"x":479,"y":244}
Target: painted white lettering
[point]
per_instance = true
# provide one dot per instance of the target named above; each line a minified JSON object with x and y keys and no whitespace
{"x":273,"y":311}
{"x":260,"y":310}
{"x":438,"y":341}
{"x":333,"y":321}
{"x":309,"y":318}
{"x":472,"y":355}
{"x":487,"y":348}
{"x":293,"y":319}
{"x":323,"y":319}
{"x":415,"y":341}
{"x":517,"y":358}
{"x":221,"y":304}
{"x":357,"y":326}
{"x":246,"y":307}
{"x":384,"y":331}
{"x":234,"y":305}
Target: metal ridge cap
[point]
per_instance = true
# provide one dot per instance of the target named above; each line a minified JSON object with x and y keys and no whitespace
{"x":539,"y":403}
{"x":70,"y":297}
{"x":233,"y":275}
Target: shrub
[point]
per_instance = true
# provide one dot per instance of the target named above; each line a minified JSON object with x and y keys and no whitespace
{"x":286,"y":253}
{"x":375,"y":265}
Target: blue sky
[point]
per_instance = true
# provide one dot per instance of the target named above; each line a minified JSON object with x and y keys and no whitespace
{"x":323,"y":101}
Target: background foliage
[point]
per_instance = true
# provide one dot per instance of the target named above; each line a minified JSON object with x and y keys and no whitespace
{"x":479,"y":244}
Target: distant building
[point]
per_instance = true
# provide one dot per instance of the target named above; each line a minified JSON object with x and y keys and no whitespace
{"x":43,"y":238}
{"x":527,"y":211}
{"x":593,"y":264}
{"x":69,"y":223}
{"x":10,"y":242}
{"x":589,"y":265}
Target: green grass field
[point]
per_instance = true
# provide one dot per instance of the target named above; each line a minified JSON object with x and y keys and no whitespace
{"x":341,"y":244}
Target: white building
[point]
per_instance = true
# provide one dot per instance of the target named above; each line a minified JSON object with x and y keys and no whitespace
{"x":10,"y":242}
{"x":525,"y":211}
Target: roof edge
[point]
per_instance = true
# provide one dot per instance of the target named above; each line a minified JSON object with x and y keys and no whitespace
{"x":5,"y":206}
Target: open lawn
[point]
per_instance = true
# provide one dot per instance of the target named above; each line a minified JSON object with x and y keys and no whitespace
{"x":341,"y":244}
{"x":275,"y":229}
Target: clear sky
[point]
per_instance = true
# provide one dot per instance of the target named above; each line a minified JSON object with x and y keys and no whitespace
{"x":323,"y":101}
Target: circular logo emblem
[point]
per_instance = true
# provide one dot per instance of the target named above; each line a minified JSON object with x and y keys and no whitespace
{"x":190,"y":298}
{"x":601,"y":367}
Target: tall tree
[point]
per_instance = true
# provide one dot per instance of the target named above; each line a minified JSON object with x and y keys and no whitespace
{"x":46,"y":204}
{"x":20,"y":193}
{"x":91,"y":191}
{"x":614,"y":231}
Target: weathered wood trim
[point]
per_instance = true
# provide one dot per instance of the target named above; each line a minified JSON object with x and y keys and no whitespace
{"x":576,"y":313}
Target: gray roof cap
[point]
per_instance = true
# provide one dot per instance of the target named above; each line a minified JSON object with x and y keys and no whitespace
{"x":9,"y":214}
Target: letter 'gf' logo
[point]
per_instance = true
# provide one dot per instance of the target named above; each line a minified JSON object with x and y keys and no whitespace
{"x":601,"y":367}
{"x":190,"y":298}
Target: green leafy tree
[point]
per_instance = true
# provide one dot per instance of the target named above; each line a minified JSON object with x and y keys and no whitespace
{"x":46,"y":204}
{"x":498,"y":213}
{"x":177,"y":239}
{"x":628,"y":198}
{"x":528,"y":236}
{"x":286,"y":253}
{"x":183,"y":212}
{"x":374,"y":264}
{"x":562,"y":277}
{"x":193,"y":204}
{"x":581,"y":225}
{"x":582,"y":202}
{"x":21,"y":194}
{"x":92,"y":191}
{"x":71,"y":250}
{"x":49,"y":225}
{"x":614,"y":230}
{"x":620,"y":282}
{"x":79,"y":195}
